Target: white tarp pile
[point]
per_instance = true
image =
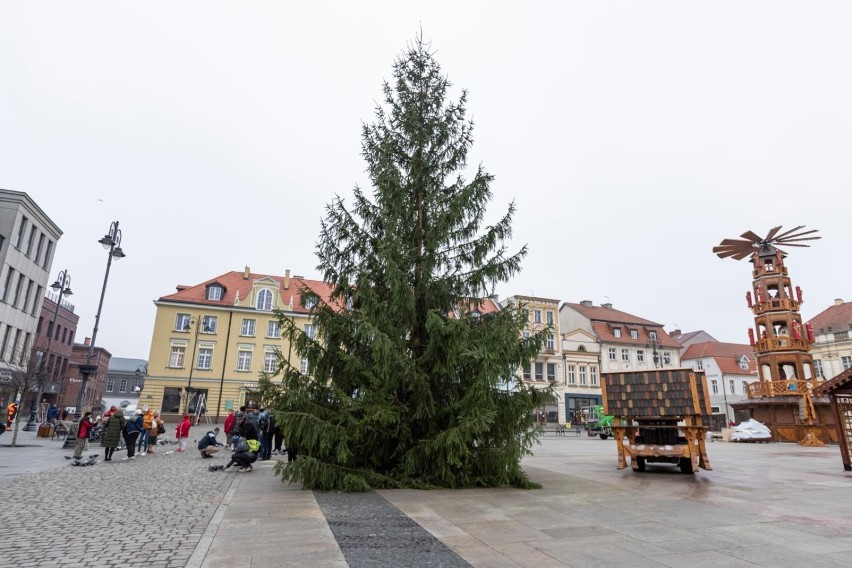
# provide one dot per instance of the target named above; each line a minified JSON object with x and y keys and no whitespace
{"x":751,"y":429}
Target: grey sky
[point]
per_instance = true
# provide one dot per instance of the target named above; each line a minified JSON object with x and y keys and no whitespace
{"x":633,"y":136}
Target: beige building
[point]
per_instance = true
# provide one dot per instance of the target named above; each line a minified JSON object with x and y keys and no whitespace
{"x":212,"y":341}
{"x":832,"y":346}
{"x":547,"y":367}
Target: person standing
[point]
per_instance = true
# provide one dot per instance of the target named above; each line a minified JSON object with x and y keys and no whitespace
{"x":131,"y":432}
{"x":229,"y":428}
{"x":142,"y":442}
{"x":245,"y":428}
{"x":52,"y":413}
{"x":182,"y":433}
{"x":114,"y":427}
{"x":156,"y":424}
{"x":83,"y":428}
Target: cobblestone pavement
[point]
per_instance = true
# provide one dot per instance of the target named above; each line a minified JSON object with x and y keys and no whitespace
{"x":769,"y":505}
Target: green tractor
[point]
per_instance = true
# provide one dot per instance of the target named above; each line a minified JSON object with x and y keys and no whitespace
{"x":599,"y":423}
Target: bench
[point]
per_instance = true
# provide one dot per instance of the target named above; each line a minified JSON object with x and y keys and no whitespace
{"x":61,"y":429}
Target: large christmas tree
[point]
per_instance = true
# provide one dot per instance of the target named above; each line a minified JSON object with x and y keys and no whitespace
{"x":409,"y":383}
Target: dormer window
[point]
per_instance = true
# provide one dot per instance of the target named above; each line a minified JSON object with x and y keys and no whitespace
{"x":616,"y":331}
{"x":310,"y":302}
{"x":634,"y":334}
{"x":264,"y":300}
{"x":215,"y":293}
{"x":652,"y":334}
{"x":744,"y":363}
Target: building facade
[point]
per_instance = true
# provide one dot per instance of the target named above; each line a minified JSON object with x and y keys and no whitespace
{"x":619,"y":342}
{"x":56,"y":330}
{"x":212,"y":341}
{"x":729,"y":368}
{"x":832,"y":348}
{"x":124,"y":382}
{"x":28,"y":240}
{"x":547,"y":367}
{"x":93,"y":399}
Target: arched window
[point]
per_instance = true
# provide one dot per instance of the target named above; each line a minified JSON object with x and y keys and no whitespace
{"x":264,"y":300}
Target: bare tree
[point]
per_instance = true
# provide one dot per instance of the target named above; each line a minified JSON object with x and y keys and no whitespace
{"x":28,"y":383}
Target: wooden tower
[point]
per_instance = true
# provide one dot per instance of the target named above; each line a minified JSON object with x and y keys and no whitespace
{"x":781,"y":342}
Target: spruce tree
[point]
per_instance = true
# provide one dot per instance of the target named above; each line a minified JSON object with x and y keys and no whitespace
{"x":408,"y":385}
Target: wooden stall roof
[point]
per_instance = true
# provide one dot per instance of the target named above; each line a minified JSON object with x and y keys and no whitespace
{"x":844,"y":379}
{"x":663,"y":392}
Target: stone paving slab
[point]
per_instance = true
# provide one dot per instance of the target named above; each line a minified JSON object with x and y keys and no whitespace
{"x":772,"y":505}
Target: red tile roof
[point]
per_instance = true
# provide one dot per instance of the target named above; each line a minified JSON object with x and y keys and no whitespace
{"x":604,"y":320}
{"x":838,"y":317}
{"x":837,"y":382}
{"x":237,"y":283}
{"x":726,"y":355}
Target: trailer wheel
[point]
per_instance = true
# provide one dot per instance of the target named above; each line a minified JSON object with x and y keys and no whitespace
{"x":603,"y":436}
{"x":685,"y":465}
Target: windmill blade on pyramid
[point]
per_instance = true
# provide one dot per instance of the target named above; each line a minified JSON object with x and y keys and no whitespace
{"x":771,"y":233}
{"x":740,"y":249}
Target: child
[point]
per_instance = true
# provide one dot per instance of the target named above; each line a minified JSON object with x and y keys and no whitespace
{"x":182,"y":433}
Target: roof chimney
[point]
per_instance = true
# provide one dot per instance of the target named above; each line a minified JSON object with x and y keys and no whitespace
{"x":287,"y":279}
{"x":586,"y":303}
{"x":838,"y":301}
{"x":87,"y":341}
{"x":607,"y":306}
{"x":246,"y":273}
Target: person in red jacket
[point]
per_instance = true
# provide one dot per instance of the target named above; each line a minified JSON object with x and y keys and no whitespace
{"x":182,"y":433}
{"x":83,"y":429}
{"x":229,"y":428}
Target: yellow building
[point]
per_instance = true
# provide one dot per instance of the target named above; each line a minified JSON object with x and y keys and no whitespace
{"x":547,"y":367}
{"x":212,"y":341}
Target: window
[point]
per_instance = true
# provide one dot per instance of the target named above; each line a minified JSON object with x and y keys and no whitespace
{"x":22,"y":229}
{"x":526,"y":334}
{"x":5,"y":342}
{"x":572,"y":378}
{"x":640,"y":355}
{"x":537,"y":316}
{"x":270,"y":361}
{"x":625,"y":355}
{"x":667,"y":358}
{"x":171,"y":399}
{"x":177,"y":356}
{"x":264,"y":300}
{"x":549,"y":317}
{"x":38,"y":295}
{"x":31,"y":240}
{"x":182,"y":322}
{"x":818,"y":368}
{"x":652,"y":334}
{"x":214,"y":293}
{"x":841,"y":335}
{"x":310,"y":330}
{"x":847,"y":362}
{"x":205,"y":357}
{"x":64,"y":334}
{"x":39,"y":249}
{"x":616,"y":331}
{"x":744,"y":363}
{"x":16,"y":355}
{"x":612,"y":354}
{"x":136,"y":386}
{"x":272,"y":329}
{"x":110,"y":384}
{"x":304,"y":366}
{"x":714,"y":386}
{"x":634,"y":334}
{"x":8,"y":284}
{"x":47,"y":254}
{"x":527,"y":371}
{"x":551,"y":371}
{"x":699,"y":365}
{"x":26,"y":305}
{"x":310,"y":302}
{"x":593,"y":373}
{"x":208,"y":324}
{"x":244,"y":360}
{"x":732,"y":387}
{"x":18,"y":290}
{"x":122,"y":385}
{"x":582,"y":376}
{"x":539,"y":371}
{"x":247,"y":327}
{"x":551,"y":342}
{"x":745,"y":387}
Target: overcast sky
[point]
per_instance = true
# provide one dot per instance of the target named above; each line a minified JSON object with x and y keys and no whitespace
{"x":633,"y":137}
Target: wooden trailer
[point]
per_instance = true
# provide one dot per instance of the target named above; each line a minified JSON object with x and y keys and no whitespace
{"x":661,"y":416}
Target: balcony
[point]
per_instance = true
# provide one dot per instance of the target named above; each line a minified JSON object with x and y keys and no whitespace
{"x":781,"y":344}
{"x":768,"y":270}
{"x":775,"y":304}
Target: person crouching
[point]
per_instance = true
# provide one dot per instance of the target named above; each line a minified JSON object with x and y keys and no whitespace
{"x":208,"y":444}
{"x":245,"y":454}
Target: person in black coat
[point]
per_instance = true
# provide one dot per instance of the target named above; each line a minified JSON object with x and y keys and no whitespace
{"x":131,"y":432}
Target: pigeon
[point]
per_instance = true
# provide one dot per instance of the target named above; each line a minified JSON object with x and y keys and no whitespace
{"x":215,"y":467}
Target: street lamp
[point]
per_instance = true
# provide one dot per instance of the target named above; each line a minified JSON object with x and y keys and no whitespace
{"x":187,"y":327}
{"x":112,"y":243}
{"x":62,"y":287}
{"x":657,"y":359}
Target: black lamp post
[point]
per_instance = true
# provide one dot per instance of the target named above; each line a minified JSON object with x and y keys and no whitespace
{"x":187,"y":327}
{"x":658,"y":363}
{"x":112,"y":243}
{"x":62,"y":286}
